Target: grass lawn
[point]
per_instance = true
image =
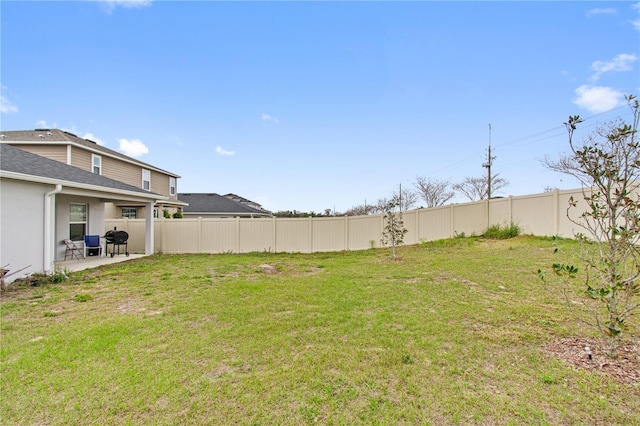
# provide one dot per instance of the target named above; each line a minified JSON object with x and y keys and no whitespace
{"x":453,"y":333}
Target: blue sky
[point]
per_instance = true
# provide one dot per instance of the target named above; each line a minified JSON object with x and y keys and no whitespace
{"x":316,"y":105}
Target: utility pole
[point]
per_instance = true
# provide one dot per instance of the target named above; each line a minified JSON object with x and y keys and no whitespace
{"x":488,"y":165}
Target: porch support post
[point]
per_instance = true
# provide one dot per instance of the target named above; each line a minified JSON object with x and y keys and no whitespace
{"x":148,"y":229}
{"x":49,"y":254}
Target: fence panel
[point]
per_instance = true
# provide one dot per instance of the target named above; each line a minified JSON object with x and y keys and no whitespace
{"x":435,"y":223}
{"x":329,"y":234}
{"x":470,"y":218}
{"x":364,"y":232}
{"x":219,"y":235}
{"x":293,"y":235}
{"x":256,"y":235}
{"x":539,"y":214}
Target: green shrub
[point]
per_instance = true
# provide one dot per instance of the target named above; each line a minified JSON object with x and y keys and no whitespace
{"x":502,"y":232}
{"x":83,"y":297}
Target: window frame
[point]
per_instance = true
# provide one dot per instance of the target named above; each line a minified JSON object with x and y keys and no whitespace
{"x":146,"y":173}
{"x":129,"y":211}
{"x":83,"y":221}
{"x":172,"y":185}
{"x":95,"y":157}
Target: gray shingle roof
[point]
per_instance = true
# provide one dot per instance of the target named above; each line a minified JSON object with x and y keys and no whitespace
{"x":214,"y":203}
{"x":15,"y":160}
{"x":59,"y":136}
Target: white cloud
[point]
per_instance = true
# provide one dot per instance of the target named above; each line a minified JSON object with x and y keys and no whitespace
{"x":598,"y":99}
{"x":620,"y":63}
{"x":222,"y":151}
{"x":42,"y":124}
{"x":6,"y":106}
{"x":133,"y":148}
{"x":91,"y":137}
{"x":636,"y":23}
{"x":110,"y":5}
{"x":269,"y":119}
{"x":602,"y":11}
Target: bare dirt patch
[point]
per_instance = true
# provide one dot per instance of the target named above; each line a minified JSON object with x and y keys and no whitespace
{"x":624,"y":369}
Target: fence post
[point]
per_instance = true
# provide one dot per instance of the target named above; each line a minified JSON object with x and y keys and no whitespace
{"x":310,"y":234}
{"x":199,"y":234}
{"x":163,"y":235}
{"x":452,"y":220}
{"x":275,"y":235}
{"x":556,"y":212}
{"x":237,"y":234}
{"x":346,"y":232}
{"x":510,"y":209}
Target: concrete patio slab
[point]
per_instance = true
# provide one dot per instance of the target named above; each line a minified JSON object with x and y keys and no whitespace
{"x":89,"y":262}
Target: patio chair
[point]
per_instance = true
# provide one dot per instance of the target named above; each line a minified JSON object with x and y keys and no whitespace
{"x":72,"y":250}
{"x":92,"y":245}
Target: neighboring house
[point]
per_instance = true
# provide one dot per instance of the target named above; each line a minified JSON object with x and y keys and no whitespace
{"x":69,"y":149}
{"x":220,"y":206}
{"x":44,"y":201}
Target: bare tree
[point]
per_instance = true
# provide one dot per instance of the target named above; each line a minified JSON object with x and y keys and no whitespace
{"x":408,"y":199}
{"x":434,"y":192}
{"x":404,"y":198}
{"x":361,"y":210}
{"x":477,"y":189}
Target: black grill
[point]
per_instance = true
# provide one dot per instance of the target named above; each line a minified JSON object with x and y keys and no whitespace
{"x":116,"y":239}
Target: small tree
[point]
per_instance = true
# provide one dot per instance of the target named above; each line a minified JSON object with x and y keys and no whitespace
{"x":477,"y":188}
{"x":434,"y":192}
{"x":394,"y":230}
{"x":608,"y":167}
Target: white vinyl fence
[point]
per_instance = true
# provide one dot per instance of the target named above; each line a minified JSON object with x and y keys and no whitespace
{"x":539,"y":214}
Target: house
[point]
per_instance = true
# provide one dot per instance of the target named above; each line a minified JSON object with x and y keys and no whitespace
{"x":85,"y":154}
{"x":220,"y":206}
{"x":45,"y":201}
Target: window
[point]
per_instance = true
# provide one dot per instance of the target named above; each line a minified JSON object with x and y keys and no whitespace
{"x":129,"y":212}
{"x":96,"y":164}
{"x":146,"y":180}
{"x":77,"y":221}
{"x":172,"y":186}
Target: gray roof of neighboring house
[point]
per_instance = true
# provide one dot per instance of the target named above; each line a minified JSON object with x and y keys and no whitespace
{"x":15,"y":160}
{"x":217,"y":204}
{"x":54,"y":136}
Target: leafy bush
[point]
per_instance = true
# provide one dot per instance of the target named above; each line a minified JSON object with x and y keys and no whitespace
{"x":83,"y":297}
{"x":502,"y":232}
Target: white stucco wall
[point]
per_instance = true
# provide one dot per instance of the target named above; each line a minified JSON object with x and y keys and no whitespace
{"x":22,"y":225}
{"x":95,"y":219}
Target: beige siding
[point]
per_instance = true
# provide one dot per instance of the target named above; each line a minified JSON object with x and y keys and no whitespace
{"x":122,"y":171}
{"x":159,"y":183}
{"x":54,"y":152}
{"x":81,"y":159}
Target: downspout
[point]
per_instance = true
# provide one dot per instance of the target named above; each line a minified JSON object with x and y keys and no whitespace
{"x":49,"y":248}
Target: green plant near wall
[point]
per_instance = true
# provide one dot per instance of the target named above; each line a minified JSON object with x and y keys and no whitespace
{"x":502,"y":232}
